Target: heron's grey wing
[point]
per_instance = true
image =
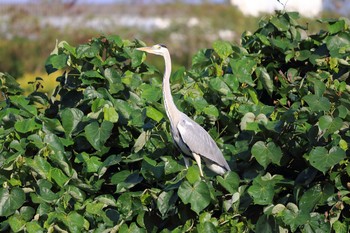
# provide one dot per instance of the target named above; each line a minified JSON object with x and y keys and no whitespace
{"x":199,"y":141}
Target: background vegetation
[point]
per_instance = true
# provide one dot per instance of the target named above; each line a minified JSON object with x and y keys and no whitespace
{"x":31,"y":30}
{"x":97,"y":155}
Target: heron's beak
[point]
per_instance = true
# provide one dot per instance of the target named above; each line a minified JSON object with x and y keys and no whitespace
{"x":145,"y":49}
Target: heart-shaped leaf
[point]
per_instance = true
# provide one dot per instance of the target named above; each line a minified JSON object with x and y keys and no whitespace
{"x":323,"y":160}
{"x":198,"y":195}
{"x":97,"y":134}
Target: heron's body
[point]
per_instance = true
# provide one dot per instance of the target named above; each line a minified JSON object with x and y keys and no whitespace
{"x":188,"y":135}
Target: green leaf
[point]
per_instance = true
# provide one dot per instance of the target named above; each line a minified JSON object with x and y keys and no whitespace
{"x":211,"y":110}
{"x":263,"y":189}
{"x":74,"y":221}
{"x":293,"y":217}
{"x":89,"y":51}
{"x":219,"y":85}
{"x":265,"y":79}
{"x":70,"y":119}
{"x":40,"y":166}
{"x":59,"y":177}
{"x":154,"y":114}
{"x":114,"y":80}
{"x":150,"y":93}
{"x":34,"y":227}
{"x":56,"y":62}
{"x":281,"y":23}
{"x":313,"y":196}
{"x":302,"y":55}
{"x":16,"y":223}
{"x":76,"y":193}
{"x":23,"y":103}
{"x":242,"y":69}
{"x":54,"y":143}
{"x":282,"y":43}
{"x":323,"y":160}
{"x":110,"y":114}
{"x":119,"y":177}
{"x":319,"y":86}
{"x":263,"y":39}
{"x":136,"y":58}
{"x":45,"y":191}
{"x":53,"y":125}
{"x":95,"y":208}
{"x":222,"y":48}
{"x":11,"y":200}
{"x":92,"y":74}
{"x":338,"y":44}
{"x":326,"y":122}
{"x":193,"y":175}
{"x":267,"y":153}
{"x":231,"y":81}
{"x":266,"y":224}
{"x":337,"y":26}
{"x":207,"y":227}
{"x":97,"y":134}
{"x":141,"y":141}
{"x":317,"y":224}
{"x":92,"y":163}
{"x":27,"y":125}
{"x":27,"y":213}
{"x":340,"y":227}
{"x":198,"y":195}
{"x":124,"y":204}
{"x":317,"y":103}
{"x":107,"y":199}
{"x":115,"y":39}
{"x":12,"y":86}
{"x":124,"y":180}
{"x":164,"y":201}
{"x":230,"y":181}
{"x":151,"y":169}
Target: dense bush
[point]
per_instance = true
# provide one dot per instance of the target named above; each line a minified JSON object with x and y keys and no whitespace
{"x":97,"y":156}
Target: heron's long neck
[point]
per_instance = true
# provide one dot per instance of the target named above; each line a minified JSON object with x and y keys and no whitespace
{"x":170,"y":107}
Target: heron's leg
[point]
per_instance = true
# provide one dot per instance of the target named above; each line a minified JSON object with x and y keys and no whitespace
{"x":187,"y":163}
{"x":198,"y":160}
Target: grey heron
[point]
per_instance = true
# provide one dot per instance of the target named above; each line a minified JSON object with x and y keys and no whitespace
{"x":188,"y":135}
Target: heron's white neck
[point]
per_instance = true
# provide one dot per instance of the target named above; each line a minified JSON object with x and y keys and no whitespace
{"x":170,"y":107}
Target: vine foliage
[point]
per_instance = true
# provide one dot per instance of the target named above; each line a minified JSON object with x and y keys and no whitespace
{"x":97,"y":155}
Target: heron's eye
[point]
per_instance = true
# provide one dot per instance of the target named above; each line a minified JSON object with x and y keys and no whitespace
{"x":157,"y":46}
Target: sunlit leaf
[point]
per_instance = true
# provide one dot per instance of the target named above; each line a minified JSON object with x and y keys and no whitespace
{"x":263,"y":189}
{"x":154,"y":114}
{"x":222,"y":48}
{"x":198,"y":195}
{"x":313,"y":196}
{"x":266,"y":153}
{"x":230,"y":181}
{"x":11,"y":200}
{"x":97,"y":134}
{"x":163,"y":201}
{"x":322,"y":159}
{"x":27,"y":125}
{"x":16,"y":223}
{"x":110,"y":114}
{"x":70,"y":119}
{"x":89,"y":51}
{"x":317,"y":103}
{"x":56,"y":62}
{"x":219,"y":85}
{"x":265,"y":79}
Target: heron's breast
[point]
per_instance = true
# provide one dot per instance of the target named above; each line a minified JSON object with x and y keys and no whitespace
{"x":180,"y":143}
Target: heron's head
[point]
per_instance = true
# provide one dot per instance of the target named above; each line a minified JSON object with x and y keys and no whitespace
{"x":157,"y":49}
